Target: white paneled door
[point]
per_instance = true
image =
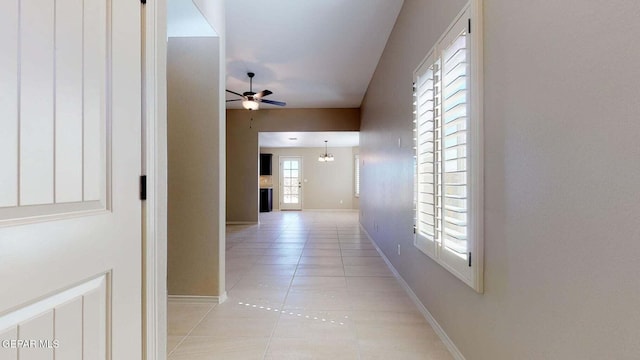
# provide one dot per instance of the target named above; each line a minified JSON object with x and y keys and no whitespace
{"x":70,"y":157}
{"x":290,"y":183}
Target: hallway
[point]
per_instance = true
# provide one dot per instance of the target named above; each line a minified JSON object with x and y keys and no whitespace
{"x":303,"y":285}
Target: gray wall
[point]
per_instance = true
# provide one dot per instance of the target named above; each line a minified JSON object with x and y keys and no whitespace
{"x":326,"y":185}
{"x":562,"y":178}
{"x":243,"y":151}
{"x":195,"y":144}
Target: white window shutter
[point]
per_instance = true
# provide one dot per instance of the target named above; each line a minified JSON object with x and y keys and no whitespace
{"x":357,"y":175}
{"x":448,"y":144}
{"x":426,"y":182}
{"x":454,"y":135}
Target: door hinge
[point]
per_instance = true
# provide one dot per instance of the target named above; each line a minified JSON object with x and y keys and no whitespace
{"x":414,"y":229}
{"x":469,"y":25}
{"x":143,"y":187}
{"x":469,"y":259}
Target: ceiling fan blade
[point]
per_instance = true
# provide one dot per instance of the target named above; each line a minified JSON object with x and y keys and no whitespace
{"x":273,"y":102}
{"x":233,"y":92}
{"x":263,"y":93}
{"x":234,"y":100}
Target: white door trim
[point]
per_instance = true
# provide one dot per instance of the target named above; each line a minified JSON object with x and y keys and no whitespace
{"x":154,"y":222}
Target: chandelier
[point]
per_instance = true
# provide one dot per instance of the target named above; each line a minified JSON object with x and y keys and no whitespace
{"x":326,"y":156}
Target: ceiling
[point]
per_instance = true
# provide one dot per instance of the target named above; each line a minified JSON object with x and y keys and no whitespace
{"x":309,"y":139}
{"x":310,"y":53}
{"x":184,"y":19}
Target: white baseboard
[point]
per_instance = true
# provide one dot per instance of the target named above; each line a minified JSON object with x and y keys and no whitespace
{"x":241,"y":222}
{"x":453,"y":349}
{"x":198,"y":299}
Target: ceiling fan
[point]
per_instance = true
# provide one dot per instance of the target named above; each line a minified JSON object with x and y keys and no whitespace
{"x":251,"y":100}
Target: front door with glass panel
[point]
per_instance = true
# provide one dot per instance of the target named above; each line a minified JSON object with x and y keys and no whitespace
{"x":290,"y":183}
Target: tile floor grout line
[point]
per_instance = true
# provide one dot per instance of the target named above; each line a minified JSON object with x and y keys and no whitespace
{"x":310,"y":227}
{"x":284,"y":301}
{"x":190,"y":331}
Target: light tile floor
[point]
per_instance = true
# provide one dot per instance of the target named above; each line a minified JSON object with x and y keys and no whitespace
{"x":304,"y":285}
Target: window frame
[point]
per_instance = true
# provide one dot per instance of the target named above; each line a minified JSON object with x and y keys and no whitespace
{"x":473,"y":274}
{"x":356,"y":175}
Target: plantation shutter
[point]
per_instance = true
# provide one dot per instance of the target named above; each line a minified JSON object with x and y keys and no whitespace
{"x":357,"y":174}
{"x":425,"y":108}
{"x":448,"y":150}
{"x":441,"y":108}
{"x":454,"y":149}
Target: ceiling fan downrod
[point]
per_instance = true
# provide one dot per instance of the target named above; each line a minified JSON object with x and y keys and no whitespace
{"x":251,"y":75}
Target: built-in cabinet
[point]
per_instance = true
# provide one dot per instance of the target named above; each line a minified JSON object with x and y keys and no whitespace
{"x":266,"y":200}
{"x":265,"y":164}
{"x":266,"y":187}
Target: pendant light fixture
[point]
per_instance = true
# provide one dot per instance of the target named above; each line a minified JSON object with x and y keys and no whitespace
{"x":326,"y":156}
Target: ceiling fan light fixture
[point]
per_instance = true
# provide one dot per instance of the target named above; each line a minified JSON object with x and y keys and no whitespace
{"x":251,"y":100}
{"x":250,"y":104}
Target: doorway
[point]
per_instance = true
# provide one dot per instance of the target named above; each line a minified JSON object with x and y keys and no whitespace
{"x":290,"y":183}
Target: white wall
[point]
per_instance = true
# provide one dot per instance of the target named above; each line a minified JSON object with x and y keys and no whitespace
{"x":562,"y":178}
{"x":328,"y":185}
